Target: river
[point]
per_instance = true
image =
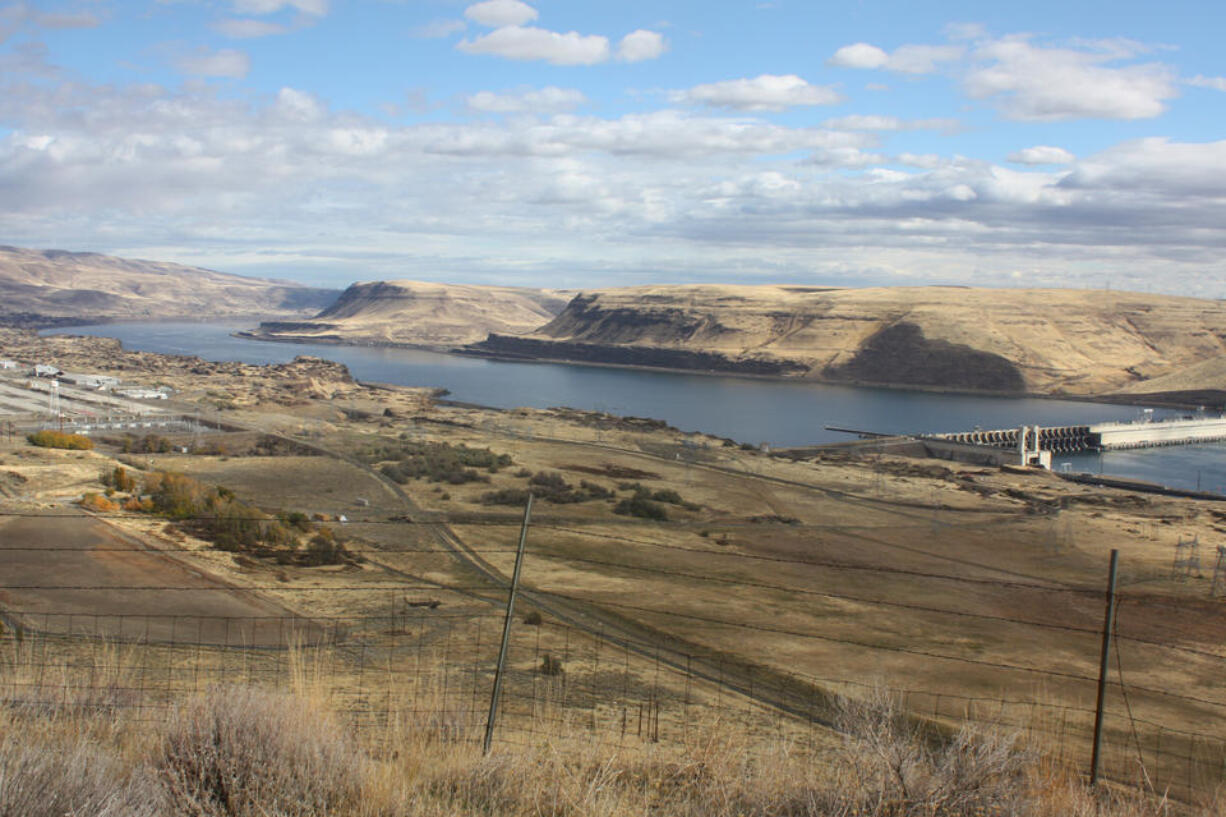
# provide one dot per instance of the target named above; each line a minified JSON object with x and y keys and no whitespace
{"x":782,"y":413}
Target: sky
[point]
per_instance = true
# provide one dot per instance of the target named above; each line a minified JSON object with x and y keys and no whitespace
{"x":586,"y":144}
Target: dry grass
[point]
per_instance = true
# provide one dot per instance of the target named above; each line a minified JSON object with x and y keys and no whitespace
{"x":252,"y":751}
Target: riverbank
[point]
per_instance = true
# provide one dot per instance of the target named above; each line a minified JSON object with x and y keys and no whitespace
{"x":1209,"y":398}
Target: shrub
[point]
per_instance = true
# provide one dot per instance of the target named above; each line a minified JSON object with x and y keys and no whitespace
{"x":900,"y":769}
{"x":436,"y":462}
{"x":243,"y":752}
{"x":58,"y":439}
{"x":98,"y":503}
{"x":505,"y":496}
{"x":638,"y":505}
{"x":550,"y":481}
{"x":533,"y":619}
{"x":41,"y":779}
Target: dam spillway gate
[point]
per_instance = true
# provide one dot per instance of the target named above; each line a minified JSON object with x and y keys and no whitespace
{"x":1057,"y":439}
{"x":1098,"y":437}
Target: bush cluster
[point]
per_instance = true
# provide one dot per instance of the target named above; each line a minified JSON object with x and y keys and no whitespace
{"x":59,"y":439}
{"x":646,"y":503}
{"x":216,"y":514}
{"x":437,"y":462}
{"x":548,"y":486}
{"x":148,"y":444}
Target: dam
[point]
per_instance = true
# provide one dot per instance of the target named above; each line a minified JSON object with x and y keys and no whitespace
{"x":1111,"y":436}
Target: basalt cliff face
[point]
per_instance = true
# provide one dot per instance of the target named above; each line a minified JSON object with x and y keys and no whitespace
{"x":997,"y":340}
{"x":49,"y":287}
{"x":417,"y":313}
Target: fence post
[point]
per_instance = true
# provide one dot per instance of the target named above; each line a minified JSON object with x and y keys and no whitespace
{"x":1096,"y":756}
{"x":506,"y":627}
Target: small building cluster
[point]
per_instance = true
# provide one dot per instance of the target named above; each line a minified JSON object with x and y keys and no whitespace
{"x":85,"y":380}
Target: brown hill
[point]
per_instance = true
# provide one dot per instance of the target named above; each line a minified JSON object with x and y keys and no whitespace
{"x":45,"y":287}
{"x":417,"y":313}
{"x":1002,"y":340}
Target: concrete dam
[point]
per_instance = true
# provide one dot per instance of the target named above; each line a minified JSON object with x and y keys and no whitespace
{"x":1097,"y":437}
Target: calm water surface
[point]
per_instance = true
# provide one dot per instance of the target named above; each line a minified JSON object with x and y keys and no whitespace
{"x":745,"y":409}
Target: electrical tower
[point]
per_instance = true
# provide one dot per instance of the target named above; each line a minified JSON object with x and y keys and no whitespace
{"x":1187,"y":558}
{"x":1218,"y":588}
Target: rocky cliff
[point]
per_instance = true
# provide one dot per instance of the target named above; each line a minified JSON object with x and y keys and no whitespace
{"x":48,"y":287}
{"x":998,"y":340}
{"x":417,"y":313}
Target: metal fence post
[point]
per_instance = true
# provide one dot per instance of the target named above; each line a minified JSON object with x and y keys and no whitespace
{"x":1096,"y":757}
{"x":506,"y":628}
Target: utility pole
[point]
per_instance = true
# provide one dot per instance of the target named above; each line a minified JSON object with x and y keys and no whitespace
{"x":1108,"y":624}
{"x":506,"y":627}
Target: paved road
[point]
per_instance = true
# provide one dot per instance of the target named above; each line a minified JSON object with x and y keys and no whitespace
{"x":71,"y":573}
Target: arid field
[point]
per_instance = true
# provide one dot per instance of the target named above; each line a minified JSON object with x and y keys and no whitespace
{"x":673,"y":584}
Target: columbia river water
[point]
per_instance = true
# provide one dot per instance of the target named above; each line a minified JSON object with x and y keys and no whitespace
{"x":778,"y":412}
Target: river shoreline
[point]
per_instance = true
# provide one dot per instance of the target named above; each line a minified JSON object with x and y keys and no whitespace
{"x":1167,"y":400}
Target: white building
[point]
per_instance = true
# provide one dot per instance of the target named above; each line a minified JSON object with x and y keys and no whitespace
{"x":143,"y":394}
{"x":101,"y":382}
{"x":43,"y":370}
{"x":8,"y":364}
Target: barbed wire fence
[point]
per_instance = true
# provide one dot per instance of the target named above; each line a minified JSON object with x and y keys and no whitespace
{"x":429,"y":666}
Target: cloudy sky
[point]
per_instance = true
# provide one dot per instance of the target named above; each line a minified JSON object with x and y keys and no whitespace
{"x":567,"y":143}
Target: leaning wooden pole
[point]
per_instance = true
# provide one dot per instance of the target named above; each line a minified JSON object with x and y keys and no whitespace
{"x":506,"y":628}
{"x":1108,"y":626}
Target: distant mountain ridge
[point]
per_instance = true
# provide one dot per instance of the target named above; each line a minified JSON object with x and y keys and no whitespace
{"x":48,"y":287}
{"x":421,"y":314}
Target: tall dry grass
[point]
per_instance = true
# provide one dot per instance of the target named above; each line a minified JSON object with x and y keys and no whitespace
{"x":288,"y":752}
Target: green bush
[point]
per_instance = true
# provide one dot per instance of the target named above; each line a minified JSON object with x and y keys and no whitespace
{"x":642,"y":507}
{"x":505,"y":496}
{"x":435,"y":462}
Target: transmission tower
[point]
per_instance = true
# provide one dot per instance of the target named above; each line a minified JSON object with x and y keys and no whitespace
{"x":1218,"y":588}
{"x":1187,"y":558}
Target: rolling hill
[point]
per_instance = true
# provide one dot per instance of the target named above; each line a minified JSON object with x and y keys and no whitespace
{"x":421,"y":314}
{"x":1047,"y":341}
{"x":49,"y":287}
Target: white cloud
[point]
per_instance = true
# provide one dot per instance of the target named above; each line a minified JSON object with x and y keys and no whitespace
{"x":1157,"y":168}
{"x":768,"y":92}
{"x":906,"y":59}
{"x":498,"y":13}
{"x":922,"y":59}
{"x":640,"y":45}
{"x":438,"y":29}
{"x":1202,"y":81}
{"x":1041,"y":155}
{"x":544,"y":100}
{"x":315,"y":8}
{"x":299,"y":105}
{"x":226,"y":62}
{"x":676,"y":193}
{"x":245,"y":28}
{"x":1031,"y":82}
{"x":529,"y":43}
{"x":859,"y":55}
{"x":889,"y":123}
